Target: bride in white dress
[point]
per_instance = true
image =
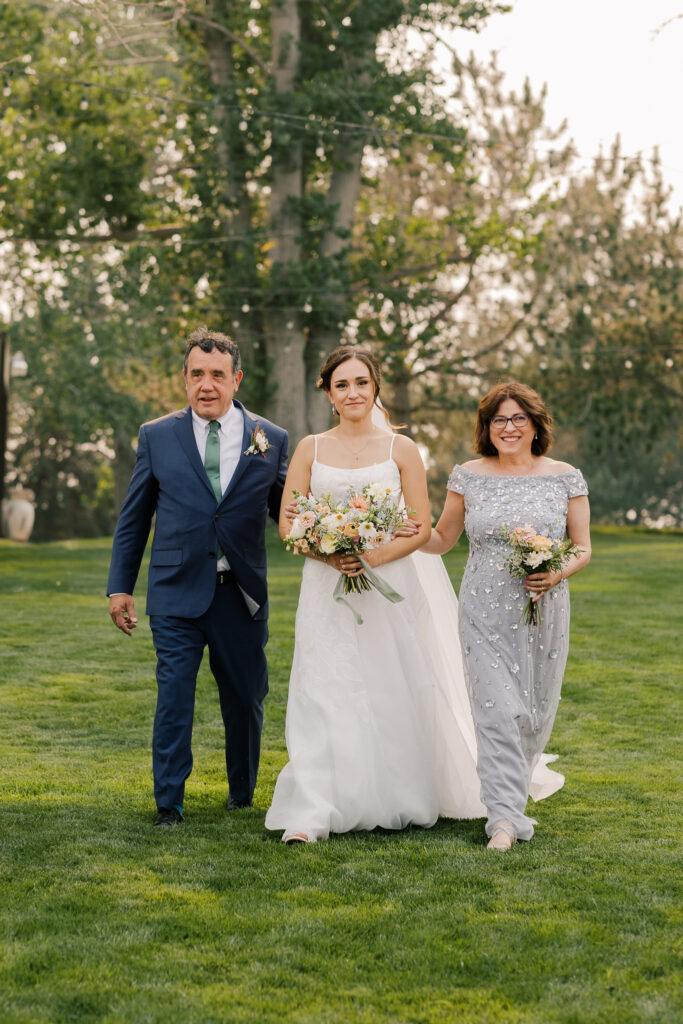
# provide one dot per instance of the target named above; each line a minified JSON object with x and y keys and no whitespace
{"x":379,"y":730}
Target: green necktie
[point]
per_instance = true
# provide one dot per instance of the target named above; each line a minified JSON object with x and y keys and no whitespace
{"x":212,"y":459}
{"x":212,"y":464}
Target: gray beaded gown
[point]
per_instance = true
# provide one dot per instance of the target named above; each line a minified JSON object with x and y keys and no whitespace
{"x":513,"y":671}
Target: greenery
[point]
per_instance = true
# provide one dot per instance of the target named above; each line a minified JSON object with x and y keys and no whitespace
{"x":302,"y":173}
{"x":105,"y":919}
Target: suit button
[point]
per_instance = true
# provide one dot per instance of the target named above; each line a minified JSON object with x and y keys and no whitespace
{"x":212,"y":554}
{"x":216,"y":518}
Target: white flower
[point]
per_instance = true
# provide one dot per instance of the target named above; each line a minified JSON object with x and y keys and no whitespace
{"x":535,"y":558}
{"x":328,"y":545}
{"x":297,"y":530}
{"x":367,"y":531}
{"x":333,"y":521}
{"x":259,"y":442}
{"x":377,"y":492}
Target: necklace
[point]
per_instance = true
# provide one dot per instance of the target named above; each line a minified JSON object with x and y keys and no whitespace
{"x":356,"y":452}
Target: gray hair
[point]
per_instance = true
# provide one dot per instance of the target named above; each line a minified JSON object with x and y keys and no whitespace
{"x":207,"y":341}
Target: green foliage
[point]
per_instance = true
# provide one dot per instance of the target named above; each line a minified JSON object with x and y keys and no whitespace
{"x":608,"y":337}
{"x":103,"y":919}
{"x":160,"y":174}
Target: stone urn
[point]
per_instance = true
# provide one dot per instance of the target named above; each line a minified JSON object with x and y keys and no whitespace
{"x":18,"y":515}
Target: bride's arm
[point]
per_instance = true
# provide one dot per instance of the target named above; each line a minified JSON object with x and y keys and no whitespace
{"x":298,"y":479}
{"x":414,"y":487}
{"x":451,"y":523}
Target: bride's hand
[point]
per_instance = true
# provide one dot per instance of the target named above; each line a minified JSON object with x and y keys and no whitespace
{"x":345,"y":563}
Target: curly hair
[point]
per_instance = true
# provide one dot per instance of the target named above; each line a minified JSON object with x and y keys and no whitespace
{"x":207,"y":341}
{"x":527,"y":399}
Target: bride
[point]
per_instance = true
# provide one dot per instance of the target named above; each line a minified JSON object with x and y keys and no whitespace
{"x":378,"y":730}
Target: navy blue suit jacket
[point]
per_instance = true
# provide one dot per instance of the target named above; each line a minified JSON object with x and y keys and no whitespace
{"x":170,"y":481}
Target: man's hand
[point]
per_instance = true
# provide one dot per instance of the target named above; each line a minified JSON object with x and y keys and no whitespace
{"x":122,"y":611}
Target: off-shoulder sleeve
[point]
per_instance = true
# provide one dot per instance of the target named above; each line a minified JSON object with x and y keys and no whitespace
{"x":457,"y":479}
{"x":576,"y":484}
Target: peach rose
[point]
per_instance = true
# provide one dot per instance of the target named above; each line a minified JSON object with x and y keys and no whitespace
{"x":524,"y":534}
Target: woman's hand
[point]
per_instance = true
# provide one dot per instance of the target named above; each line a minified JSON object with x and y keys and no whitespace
{"x":539,"y":583}
{"x":291,"y":511}
{"x":346,"y":564}
{"x":408,"y":529}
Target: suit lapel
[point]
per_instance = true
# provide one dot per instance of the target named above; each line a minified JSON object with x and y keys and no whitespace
{"x":184,"y":431}
{"x":249,"y":425}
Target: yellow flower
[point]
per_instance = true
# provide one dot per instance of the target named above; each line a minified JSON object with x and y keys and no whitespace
{"x":328,"y":544}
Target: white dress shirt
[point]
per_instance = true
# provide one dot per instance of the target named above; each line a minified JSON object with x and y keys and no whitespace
{"x":230,"y":432}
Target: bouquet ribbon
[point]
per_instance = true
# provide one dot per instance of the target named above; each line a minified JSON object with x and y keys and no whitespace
{"x":378,"y":583}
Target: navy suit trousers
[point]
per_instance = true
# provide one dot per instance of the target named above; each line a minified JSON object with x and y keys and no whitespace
{"x":237,"y":658}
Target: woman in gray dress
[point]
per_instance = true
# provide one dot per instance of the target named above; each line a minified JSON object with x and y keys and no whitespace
{"x":514,"y":671}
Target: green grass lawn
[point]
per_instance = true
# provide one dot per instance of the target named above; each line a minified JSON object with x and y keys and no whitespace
{"x":104,"y":918}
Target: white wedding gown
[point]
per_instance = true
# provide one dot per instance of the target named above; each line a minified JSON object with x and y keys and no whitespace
{"x":379,"y":729}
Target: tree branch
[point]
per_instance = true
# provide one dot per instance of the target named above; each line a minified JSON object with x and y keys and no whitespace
{"x":243,"y":45}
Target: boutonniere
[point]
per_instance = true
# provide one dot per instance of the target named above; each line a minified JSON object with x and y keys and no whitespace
{"x":259,"y":442}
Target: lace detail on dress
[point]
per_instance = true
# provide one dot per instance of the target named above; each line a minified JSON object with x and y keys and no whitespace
{"x":335,"y":481}
{"x":572,"y":480}
{"x":514,"y":672}
{"x":575,"y":482}
{"x":457,"y":480}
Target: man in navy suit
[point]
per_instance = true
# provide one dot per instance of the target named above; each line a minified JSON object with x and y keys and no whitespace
{"x":210,"y":473}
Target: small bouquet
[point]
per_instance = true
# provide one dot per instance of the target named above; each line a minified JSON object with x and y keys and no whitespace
{"x":362,"y":520}
{"x":532,"y":552}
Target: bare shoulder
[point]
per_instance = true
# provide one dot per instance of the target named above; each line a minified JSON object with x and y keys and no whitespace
{"x":476,"y":465}
{"x":305,"y":450}
{"x":405,"y":449}
{"x":554,"y":468}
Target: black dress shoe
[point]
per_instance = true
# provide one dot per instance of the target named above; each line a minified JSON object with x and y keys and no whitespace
{"x":233,"y":804}
{"x":166,"y":818}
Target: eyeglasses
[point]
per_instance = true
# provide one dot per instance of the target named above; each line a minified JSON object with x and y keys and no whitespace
{"x":520,"y":419}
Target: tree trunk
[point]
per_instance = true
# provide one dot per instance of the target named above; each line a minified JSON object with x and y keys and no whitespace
{"x":285,"y":336}
{"x":237,"y":215}
{"x":401,"y":407}
{"x":342,"y":197}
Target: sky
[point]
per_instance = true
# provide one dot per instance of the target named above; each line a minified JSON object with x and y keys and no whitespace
{"x":608,"y":71}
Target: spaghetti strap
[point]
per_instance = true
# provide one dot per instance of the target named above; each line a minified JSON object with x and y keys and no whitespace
{"x":391,"y":446}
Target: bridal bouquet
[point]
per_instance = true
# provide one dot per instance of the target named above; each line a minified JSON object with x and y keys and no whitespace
{"x":362,"y":520}
{"x":532,"y":552}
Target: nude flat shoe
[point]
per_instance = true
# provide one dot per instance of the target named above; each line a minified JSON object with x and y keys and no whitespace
{"x":295,"y":837}
{"x":503,"y":838}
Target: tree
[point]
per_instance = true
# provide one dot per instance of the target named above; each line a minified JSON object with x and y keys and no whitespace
{"x":607,"y":339}
{"x":209,"y":155}
{"x":262,"y":153}
{"x":297,"y":173}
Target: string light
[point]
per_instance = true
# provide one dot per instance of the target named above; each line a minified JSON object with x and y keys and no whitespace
{"x":310,"y":122}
